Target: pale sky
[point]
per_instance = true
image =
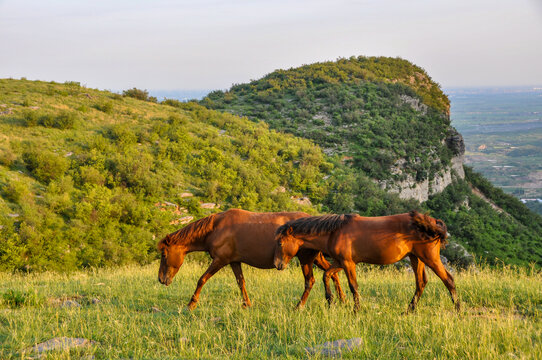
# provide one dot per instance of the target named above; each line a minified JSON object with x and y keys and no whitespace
{"x":206,"y":44}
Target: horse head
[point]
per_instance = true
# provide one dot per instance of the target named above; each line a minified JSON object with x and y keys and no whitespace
{"x":286,"y":247}
{"x":172,"y":257}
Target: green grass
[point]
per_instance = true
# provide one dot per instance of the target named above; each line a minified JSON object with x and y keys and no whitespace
{"x":500,"y":316}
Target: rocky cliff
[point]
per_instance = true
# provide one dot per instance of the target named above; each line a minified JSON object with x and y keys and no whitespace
{"x":421,"y":190}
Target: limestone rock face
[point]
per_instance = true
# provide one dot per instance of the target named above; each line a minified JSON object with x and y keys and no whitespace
{"x":455,"y":142}
{"x":410,"y":189}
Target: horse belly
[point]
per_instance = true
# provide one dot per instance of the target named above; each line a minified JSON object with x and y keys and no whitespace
{"x":257,"y":252}
{"x":382,"y":252}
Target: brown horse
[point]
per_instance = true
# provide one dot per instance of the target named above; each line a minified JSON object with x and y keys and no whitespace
{"x":234,"y":237}
{"x":351,"y":239}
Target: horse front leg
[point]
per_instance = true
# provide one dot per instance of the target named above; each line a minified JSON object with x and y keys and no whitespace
{"x":436,"y":265}
{"x":309,"y":282}
{"x":236,"y":267}
{"x":418,"y":267}
{"x":211,"y":270}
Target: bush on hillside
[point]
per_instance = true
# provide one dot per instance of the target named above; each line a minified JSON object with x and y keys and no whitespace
{"x":106,"y":107}
{"x":45,"y":165}
{"x":139,"y":94}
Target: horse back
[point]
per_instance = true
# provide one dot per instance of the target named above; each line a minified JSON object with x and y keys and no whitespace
{"x":377,"y":240}
{"x":248,"y":237}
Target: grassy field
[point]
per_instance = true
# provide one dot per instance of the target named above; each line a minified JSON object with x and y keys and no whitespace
{"x":500,"y":317}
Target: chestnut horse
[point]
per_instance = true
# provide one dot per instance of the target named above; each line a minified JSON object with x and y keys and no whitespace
{"x":351,"y":239}
{"x":234,"y":237}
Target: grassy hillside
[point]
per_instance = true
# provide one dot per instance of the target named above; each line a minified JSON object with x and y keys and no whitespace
{"x":385,"y":119}
{"x":500,"y":318}
{"x":92,"y":178}
{"x":361,"y":108}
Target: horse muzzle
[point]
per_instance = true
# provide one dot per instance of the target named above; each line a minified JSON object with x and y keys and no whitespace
{"x":279,"y":264}
{"x":166,"y":281}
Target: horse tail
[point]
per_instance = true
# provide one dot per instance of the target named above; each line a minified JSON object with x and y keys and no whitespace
{"x":429,"y":229}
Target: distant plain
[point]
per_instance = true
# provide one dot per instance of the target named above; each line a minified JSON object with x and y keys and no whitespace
{"x":502,"y":129}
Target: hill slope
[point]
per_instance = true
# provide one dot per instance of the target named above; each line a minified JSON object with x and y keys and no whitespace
{"x":384,"y":119}
{"x":92,"y":178}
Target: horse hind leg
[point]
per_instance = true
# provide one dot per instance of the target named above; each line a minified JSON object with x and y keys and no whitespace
{"x":350,"y":270}
{"x":418,"y":267}
{"x":323,"y":264}
{"x":332,"y":270}
{"x":211,"y":270}
{"x":236,"y":267}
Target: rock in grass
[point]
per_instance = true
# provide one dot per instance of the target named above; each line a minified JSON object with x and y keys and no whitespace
{"x":70,"y":303}
{"x":334,"y":348}
{"x":60,"y":343}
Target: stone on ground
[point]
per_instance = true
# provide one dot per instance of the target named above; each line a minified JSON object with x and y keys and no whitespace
{"x":334,"y":348}
{"x":60,"y":343}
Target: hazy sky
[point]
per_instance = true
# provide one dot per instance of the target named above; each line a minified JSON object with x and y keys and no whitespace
{"x":204,"y":44}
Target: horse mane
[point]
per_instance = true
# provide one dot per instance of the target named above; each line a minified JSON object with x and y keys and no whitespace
{"x":428,"y":230}
{"x":191,"y":232}
{"x":315,"y":225}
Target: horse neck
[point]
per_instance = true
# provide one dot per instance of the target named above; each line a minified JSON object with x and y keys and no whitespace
{"x":197,"y":244}
{"x":193,"y":244}
{"x":315,"y":242}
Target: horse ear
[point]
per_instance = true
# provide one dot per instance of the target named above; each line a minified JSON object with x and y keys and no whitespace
{"x":417,"y":218}
{"x":289,"y":231}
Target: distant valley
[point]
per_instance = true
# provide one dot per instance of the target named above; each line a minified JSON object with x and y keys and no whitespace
{"x":502,"y":129}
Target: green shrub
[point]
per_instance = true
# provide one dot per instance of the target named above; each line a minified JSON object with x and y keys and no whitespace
{"x":172,"y":102}
{"x":122,"y":134}
{"x":30,"y":118}
{"x":7,"y":156}
{"x":91,"y":175}
{"x":138,"y":94}
{"x":82,"y":108}
{"x":47,"y":120}
{"x":106,"y":107}
{"x":45,"y":165}
{"x":66,"y":120}
{"x":14,"y":191}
